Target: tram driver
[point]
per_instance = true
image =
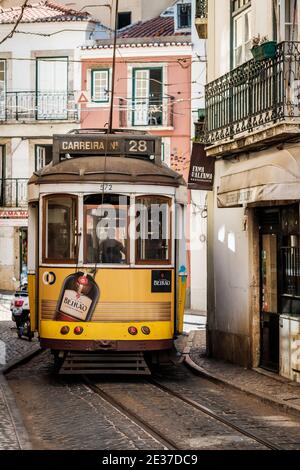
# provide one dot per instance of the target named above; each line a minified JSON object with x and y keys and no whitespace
{"x":111,"y":249}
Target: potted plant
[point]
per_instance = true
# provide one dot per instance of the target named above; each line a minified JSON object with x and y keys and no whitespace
{"x":262,"y":48}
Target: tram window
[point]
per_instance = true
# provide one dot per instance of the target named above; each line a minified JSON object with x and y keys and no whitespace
{"x":106,"y":229}
{"x":153,"y":230}
{"x":60,"y":233}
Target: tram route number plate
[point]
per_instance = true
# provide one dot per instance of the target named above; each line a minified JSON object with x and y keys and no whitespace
{"x":161,"y":281}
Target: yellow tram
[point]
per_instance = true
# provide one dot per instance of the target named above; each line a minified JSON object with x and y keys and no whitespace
{"x":106,"y":244}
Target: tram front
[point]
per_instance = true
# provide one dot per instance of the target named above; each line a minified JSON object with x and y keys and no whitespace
{"x":106,"y":240}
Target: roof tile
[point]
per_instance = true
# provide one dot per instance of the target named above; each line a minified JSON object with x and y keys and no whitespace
{"x":156,"y":27}
{"x":43,"y":11}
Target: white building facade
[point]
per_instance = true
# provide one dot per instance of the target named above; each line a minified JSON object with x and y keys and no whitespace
{"x":252,"y":119}
{"x":39,"y":87}
{"x":198,"y":198}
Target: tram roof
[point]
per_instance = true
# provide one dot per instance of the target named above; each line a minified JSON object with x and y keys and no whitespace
{"x":110,"y":169}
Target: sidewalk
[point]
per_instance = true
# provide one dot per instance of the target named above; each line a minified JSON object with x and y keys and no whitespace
{"x":13,"y":435}
{"x":269,"y":387}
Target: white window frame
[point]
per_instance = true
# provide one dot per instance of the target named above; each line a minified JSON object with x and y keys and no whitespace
{"x":283,"y":23}
{"x":40,"y":156}
{"x":245,"y":40}
{"x":132,"y":117}
{"x":106,"y":98}
{"x":52,"y":104}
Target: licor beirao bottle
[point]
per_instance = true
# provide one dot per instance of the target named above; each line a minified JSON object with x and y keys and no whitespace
{"x":78,"y":298}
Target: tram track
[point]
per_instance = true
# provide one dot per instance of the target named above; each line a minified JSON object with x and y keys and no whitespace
{"x":165,"y":441}
{"x":214,"y":415}
{"x":154,"y":432}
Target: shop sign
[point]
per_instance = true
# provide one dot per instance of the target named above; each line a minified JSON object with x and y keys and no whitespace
{"x":13,"y":214}
{"x":202,"y":169}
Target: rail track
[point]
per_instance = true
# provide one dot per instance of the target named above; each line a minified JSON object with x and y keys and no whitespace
{"x":151,"y":429}
{"x":154,"y":432}
{"x":164,"y":440}
{"x":214,"y":415}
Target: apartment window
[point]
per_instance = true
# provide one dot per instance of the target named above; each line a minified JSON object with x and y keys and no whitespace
{"x":43,"y":156}
{"x":124,"y":19}
{"x":100,"y":86}
{"x":286,"y":19}
{"x":242,"y":37}
{"x":184,"y":15}
{"x":52,"y":87}
{"x":2,"y":87}
{"x":147,"y":97}
{"x":240,"y":4}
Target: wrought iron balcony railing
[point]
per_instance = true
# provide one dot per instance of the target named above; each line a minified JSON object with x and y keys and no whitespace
{"x":13,"y":192}
{"x":148,"y":112}
{"x":37,"y":106}
{"x":254,"y":94}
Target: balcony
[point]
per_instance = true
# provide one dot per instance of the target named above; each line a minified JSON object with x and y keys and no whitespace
{"x":13,"y":192}
{"x":146,"y":112}
{"x":28,"y":106}
{"x":201,"y":18}
{"x":254,"y":104}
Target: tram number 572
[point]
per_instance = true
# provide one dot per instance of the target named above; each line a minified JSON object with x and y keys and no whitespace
{"x":106,"y":187}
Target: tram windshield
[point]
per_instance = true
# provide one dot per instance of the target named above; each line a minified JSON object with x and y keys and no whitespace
{"x":153,"y":229}
{"x":106,"y":228}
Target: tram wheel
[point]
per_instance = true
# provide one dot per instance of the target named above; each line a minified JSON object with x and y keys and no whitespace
{"x":58,"y":360}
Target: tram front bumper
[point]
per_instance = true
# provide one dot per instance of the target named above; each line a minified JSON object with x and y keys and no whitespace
{"x":106,"y":345}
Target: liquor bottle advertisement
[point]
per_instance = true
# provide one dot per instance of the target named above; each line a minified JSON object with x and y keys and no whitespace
{"x":78,"y":298}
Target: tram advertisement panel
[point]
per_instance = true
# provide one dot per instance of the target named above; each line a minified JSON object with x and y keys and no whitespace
{"x":78,"y":298}
{"x":111,"y":295}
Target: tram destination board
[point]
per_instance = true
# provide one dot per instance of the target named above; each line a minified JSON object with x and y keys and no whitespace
{"x":100,"y":145}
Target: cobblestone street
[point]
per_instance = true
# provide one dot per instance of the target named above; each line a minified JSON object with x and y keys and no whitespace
{"x":63,"y":413}
{"x":11,"y":349}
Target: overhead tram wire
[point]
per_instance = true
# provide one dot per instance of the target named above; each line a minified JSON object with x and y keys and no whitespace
{"x":110,"y":120}
{"x":19,"y":19}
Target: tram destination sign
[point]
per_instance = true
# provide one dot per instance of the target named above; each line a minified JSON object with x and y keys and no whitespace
{"x":101,"y":145}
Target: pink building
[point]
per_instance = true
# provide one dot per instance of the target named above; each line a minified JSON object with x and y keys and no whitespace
{"x":152,"y":85}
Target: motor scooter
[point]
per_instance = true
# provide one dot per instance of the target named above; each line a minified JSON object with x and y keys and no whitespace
{"x":20,"y":312}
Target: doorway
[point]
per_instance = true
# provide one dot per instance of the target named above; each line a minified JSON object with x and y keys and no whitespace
{"x":279,"y":276}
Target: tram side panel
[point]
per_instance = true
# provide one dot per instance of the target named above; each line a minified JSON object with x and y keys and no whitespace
{"x":135,"y":310}
{"x":33,"y":264}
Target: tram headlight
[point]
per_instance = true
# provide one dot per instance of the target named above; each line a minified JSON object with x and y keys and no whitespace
{"x":78,"y":330}
{"x":146,"y":330}
{"x":132,"y":330}
{"x":64,"y":330}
